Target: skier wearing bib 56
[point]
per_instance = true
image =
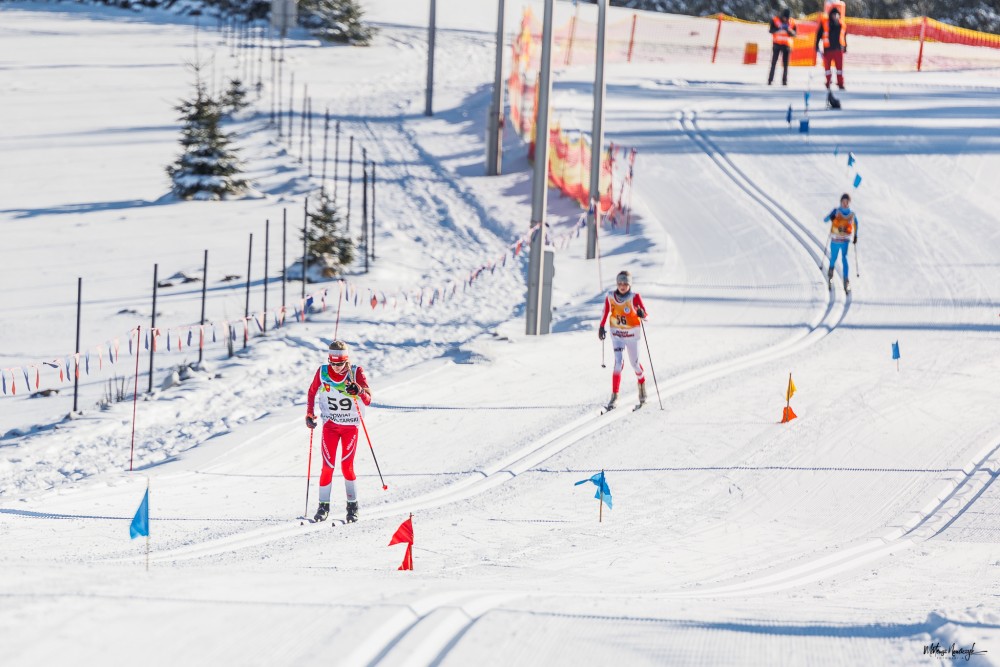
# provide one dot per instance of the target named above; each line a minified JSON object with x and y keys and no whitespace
{"x":843,"y":227}
{"x":343,"y":391}
{"x":625,"y":310}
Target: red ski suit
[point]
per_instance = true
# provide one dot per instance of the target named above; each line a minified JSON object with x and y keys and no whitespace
{"x":339,"y":411}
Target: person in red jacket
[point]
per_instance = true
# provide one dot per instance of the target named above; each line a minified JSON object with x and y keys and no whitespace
{"x":832,"y":34}
{"x":626,"y":311}
{"x":343,"y":393}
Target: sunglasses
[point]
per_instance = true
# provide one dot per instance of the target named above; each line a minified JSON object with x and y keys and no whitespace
{"x":338,"y":363}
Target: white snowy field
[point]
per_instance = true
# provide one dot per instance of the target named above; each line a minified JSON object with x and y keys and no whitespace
{"x":860,"y":533}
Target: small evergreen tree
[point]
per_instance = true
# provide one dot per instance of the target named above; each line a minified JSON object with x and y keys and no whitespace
{"x":336,"y":21}
{"x":235,"y":97}
{"x":208,"y":167}
{"x":329,"y":246}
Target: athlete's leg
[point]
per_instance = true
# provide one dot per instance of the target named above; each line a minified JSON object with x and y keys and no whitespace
{"x":348,"y":447}
{"x":329,"y":450}
{"x":618,"y":345}
{"x":633,"y":355}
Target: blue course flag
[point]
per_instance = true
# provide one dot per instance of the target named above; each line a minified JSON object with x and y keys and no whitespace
{"x":895,"y":350}
{"x":857,"y":180}
{"x":788,"y":116}
{"x":602,"y":487}
{"x":140,"y":522}
{"x":804,"y":126}
{"x":850,"y":159}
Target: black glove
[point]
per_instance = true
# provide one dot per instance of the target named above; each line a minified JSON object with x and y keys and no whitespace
{"x":310,"y":421}
{"x":641,"y":313}
{"x":855,"y":239}
{"x":602,"y":333}
{"x":352,"y":388}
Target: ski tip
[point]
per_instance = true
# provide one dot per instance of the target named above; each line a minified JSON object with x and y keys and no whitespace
{"x":385,"y":487}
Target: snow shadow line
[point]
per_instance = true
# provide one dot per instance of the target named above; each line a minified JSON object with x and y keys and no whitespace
{"x":49,"y":515}
{"x":870,"y":630}
{"x":388,"y":406}
{"x":751,"y":468}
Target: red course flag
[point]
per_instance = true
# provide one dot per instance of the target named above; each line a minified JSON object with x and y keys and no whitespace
{"x":404,"y":534}
{"x":787,"y":415}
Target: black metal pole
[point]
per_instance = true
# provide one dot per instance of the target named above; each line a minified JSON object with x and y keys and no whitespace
{"x":373,"y":212}
{"x":152,"y":328}
{"x":204,"y":294}
{"x":309,"y":125}
{"x":302,"y":123}
{"x":326,"y":137}
{"x":336,"y":161}
{"x":364,"y":207}
{"x":79,"y":306}
{"x":267,"y":249}
{"x":291,"y":111}
{"x":305,"y":248}
{"x":350,"y":176}
{"x":272,"y":84}
{"x":246,"y":310}
{"x":280,"y":87}
{"x":284,"y":255}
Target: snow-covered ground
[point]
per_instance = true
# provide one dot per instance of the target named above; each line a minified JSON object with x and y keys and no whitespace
{"x":861,"y":532}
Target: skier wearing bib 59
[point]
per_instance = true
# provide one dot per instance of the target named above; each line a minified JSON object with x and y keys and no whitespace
{"x":624,"y":312}
{"x":342,"y":390}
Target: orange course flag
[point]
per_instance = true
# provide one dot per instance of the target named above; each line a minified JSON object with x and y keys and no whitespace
{"x":787,"y":415}
{"x":404,"y":534}
{"x":791,"y":388}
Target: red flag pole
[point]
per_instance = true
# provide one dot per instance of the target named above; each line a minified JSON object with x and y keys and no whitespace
{"x":788,"y":390}
{"x":339,"y":301}
{"x":135,"y":394}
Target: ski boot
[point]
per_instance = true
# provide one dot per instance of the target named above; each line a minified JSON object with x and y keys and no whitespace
{"x":322,"y":512}
{"x":352,"y":511}
{"x":613,"y":402}
{"x":829,"y":279}
{"x":847,"y":286}
{"x":642,"y":393}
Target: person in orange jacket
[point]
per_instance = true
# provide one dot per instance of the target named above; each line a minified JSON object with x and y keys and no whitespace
{"x":832,"y":34}
{"x":783,"y":31}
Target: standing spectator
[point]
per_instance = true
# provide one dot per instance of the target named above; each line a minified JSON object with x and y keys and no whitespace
{"x":832,"y":33}
{"x":783,"y":31}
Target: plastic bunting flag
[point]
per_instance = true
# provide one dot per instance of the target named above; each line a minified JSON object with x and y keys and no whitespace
{"x":404,"y":534}
{"x":603,"y":491}
{"x":140,"y":522}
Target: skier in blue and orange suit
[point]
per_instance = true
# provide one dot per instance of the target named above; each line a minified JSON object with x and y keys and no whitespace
{"x":843,"y":227}
{"x":343,"y":391}
{"x":626,"y":311}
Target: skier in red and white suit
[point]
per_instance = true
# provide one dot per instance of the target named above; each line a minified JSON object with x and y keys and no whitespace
{"x":343,"y":391}
{"x":626,"y":311}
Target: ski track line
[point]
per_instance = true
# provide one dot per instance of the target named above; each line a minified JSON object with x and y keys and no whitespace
{"x":424,"y":631}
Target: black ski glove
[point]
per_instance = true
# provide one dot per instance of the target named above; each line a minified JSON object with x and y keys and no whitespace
{"x":310,"y":422}
{"x":641,"y":313}
{"x":855,"y":239}
{"x":602,"y":333}
{"x":352,"y":388}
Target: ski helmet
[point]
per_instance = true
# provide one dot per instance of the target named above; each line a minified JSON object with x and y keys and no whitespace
{"x":338,"y":351}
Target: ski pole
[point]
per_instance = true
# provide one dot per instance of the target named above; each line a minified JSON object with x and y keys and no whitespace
{"x":857,"y":262}
{"x":309,"y":470}
{"x":368,"y":437}
{"x":603,"y":348}
{"x":825,"y":246}
{"x":651,"y":369}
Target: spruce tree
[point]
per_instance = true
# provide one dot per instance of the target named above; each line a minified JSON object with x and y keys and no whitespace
{"x":235,"y":97}
{"x":329,"y":246}
{"x":208,"y":167}
{"x":336,"y":21}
